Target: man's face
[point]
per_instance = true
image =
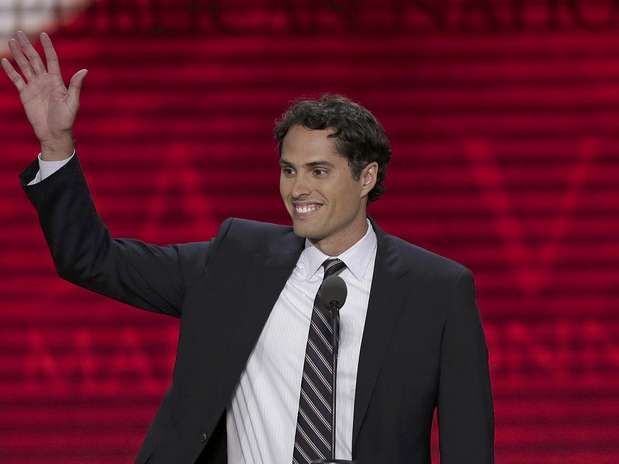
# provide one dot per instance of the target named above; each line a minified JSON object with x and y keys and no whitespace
{"x":318,"y":189}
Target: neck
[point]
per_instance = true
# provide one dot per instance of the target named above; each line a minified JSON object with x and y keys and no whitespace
{"x":338,"y":243}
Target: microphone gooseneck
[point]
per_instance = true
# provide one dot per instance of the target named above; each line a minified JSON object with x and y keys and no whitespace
{"x":332,"y":296}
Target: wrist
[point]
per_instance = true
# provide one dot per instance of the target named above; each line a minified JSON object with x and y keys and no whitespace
{"x":57,"y":148}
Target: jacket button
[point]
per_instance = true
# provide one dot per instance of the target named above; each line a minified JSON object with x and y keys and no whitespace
{"x":203,"y":437}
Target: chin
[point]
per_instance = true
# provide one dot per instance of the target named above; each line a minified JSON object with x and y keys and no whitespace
{"x":307,"y":231}
{"x":301,"y":230}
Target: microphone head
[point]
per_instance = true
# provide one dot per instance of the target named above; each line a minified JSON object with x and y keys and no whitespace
{"x":332,"y":293}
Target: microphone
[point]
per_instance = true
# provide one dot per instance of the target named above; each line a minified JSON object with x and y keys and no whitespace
{"x":332,"y":296}
{"x":333,"y":293}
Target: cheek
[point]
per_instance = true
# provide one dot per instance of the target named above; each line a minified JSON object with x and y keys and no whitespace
{"x":283,"y":187}
{"x":346,"y":196}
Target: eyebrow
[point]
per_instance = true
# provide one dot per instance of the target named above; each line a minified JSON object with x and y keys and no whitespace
{"x":311,"y":164}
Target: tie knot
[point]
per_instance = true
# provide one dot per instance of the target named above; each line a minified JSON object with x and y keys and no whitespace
{"x":333,"y":266}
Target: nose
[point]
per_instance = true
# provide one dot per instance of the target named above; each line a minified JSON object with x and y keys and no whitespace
{"x":300,"y":187}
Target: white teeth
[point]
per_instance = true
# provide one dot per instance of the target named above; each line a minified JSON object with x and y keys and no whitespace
{"x":306,"y":209}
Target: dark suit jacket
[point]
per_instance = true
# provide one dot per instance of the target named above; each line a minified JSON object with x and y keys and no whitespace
{"x":423,"y":344}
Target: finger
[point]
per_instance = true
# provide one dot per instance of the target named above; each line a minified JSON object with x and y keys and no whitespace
{"x":53,"y":66}
{"x":21,"y":60}
{"x":13,"y":75}
{"x":75,"y":85}
{"x":31,"y":53}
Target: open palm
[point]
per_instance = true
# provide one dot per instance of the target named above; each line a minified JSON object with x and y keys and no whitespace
{"x":50,"y":106}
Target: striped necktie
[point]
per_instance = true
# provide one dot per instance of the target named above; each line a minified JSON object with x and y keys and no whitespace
{"x":313,"y":438}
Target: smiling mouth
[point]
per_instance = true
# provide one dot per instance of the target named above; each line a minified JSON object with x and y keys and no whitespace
{"x":304,"y":210}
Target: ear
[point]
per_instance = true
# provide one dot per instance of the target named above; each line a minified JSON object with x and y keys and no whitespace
{"x":368,"y":178}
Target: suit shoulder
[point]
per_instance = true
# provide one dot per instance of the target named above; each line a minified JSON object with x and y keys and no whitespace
{"x":249,"y":234}
{"x":249,"y":226}
{"x":426,"y":261}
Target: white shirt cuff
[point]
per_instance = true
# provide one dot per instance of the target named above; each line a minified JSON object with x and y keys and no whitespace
{"x":47,"y":168}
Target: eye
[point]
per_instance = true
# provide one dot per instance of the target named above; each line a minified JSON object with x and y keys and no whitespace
{"x":287,"y":171}
{"x":320,"y":172}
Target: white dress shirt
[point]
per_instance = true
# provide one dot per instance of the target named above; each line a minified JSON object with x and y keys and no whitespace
{"x":261,"y":419}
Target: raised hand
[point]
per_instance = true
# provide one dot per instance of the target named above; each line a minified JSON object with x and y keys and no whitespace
{"x":50,"y":106}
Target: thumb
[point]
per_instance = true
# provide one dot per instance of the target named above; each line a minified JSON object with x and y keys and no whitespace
{"x":75,"y":85}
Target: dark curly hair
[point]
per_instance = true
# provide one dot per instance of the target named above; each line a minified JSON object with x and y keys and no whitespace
{"x":359,"y":136}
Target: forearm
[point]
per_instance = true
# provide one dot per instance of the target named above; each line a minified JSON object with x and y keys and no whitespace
{"x":142,"y":275}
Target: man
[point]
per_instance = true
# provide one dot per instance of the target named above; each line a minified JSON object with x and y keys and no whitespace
{"x":252,"y":380}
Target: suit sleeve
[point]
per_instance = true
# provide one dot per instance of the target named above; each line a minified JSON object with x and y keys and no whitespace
{"x":465,"y":405}
{"x":144,"y":275}
{"x":47,"y":168}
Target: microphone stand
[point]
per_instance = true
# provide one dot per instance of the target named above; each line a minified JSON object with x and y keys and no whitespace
{"x":335,"y":325}
{"x":334,"y":306}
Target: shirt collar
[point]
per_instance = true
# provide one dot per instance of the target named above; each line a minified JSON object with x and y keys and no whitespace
{"x":356,"y":258}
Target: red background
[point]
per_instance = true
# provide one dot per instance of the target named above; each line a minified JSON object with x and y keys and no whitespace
{"x":503,"y":117}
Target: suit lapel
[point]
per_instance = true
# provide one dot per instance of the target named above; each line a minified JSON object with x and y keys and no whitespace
{"x":266,"y":278}
{"x":384,"y":306}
